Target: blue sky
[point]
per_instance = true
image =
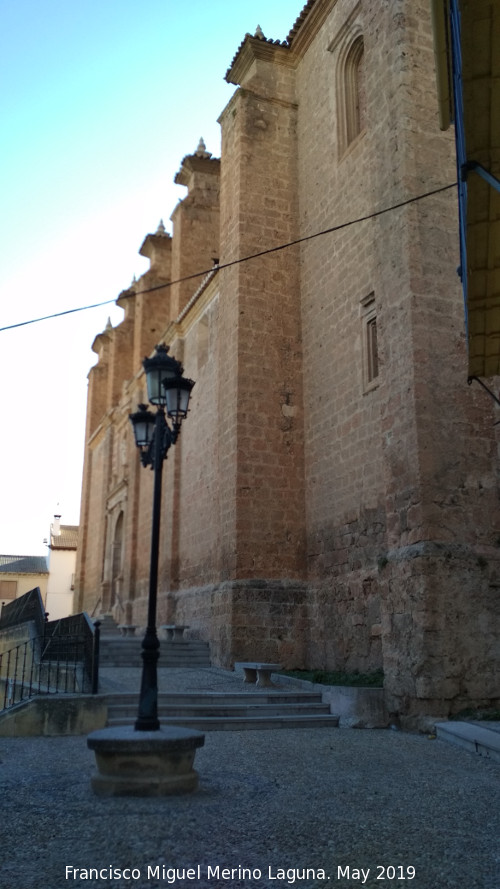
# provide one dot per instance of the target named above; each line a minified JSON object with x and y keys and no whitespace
{"x":99,"y":102}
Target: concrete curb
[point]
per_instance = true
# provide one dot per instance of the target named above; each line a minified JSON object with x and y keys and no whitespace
{"x":472,"y":737}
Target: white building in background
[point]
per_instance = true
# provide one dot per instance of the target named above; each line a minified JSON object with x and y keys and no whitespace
{"x":61,"y":564}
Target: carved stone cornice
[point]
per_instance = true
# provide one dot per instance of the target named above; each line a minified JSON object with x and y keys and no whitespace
{"x":254,"y":48}
{"x":192,"y":163}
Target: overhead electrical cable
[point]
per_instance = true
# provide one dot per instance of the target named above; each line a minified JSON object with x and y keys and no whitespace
{"x":226,"y":265}
{"x":58,"y":314}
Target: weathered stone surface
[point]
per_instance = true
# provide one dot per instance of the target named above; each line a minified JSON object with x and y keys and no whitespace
{"x":135,"y":763}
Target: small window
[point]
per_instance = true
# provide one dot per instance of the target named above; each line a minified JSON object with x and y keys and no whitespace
{"x":8,"y":589}
{"x":369,"y":343}
{"x":371,"y":349}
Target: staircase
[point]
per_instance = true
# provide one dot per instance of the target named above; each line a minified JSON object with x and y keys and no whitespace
{"x":108,"y":625}
{"x":210,"y":710}
{"x":216,"y":711}
{"x":125,"y":651}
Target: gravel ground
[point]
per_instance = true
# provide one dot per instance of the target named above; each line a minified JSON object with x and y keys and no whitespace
{"x":281,"y":804}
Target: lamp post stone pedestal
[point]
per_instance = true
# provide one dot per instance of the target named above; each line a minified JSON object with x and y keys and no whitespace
{"x":139,"y":763}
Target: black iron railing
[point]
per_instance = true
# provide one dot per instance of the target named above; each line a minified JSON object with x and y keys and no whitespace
{"x":26,"y":608}
{"x":62,"y":663}
{"x":62,"y":656}
{"x":58,"y":635}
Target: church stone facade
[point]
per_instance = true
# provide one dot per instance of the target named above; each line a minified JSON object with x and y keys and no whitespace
{"x":332,"y":501}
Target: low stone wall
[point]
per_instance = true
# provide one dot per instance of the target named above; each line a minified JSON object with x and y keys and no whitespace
{"x":51,"y":716}
{"x":356,"y":707}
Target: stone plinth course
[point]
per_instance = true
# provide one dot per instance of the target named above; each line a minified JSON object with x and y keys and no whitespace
{"x":138,"y":763}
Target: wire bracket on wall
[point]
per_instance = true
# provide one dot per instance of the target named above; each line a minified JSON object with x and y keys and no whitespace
{"x":494,"y":397}
{"x":475,"y":167}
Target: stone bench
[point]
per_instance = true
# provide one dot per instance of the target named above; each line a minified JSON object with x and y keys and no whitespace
{"x":258,"y":673}
{"x":175,"y":632}
{"x":127,"y":629}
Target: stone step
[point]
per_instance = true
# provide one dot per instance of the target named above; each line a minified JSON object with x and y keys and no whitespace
{"x":243,"y":723}
{"x":116,"y":641}
{"x":128,"y":713}
{"x":108,"y":625}
{"x":164,"y":661}
{"x":136,"y":640}
{"x":236,"y":711}
{"x":476,"y":737}
{"x":126,"y":652}
{"x":170,"y":648}
{"x":131,"y":645}
{"x":173,"y":699}
{"x":188,"y":664}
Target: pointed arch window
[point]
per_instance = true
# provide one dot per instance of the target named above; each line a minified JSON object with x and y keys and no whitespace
{"x":350,"y":80}
{"x":354,"y":91}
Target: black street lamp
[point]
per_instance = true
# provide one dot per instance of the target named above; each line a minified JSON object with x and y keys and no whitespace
{"x":167,"y":389}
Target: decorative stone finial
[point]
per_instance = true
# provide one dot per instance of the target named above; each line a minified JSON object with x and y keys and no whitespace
{"x":161,"y":228}
{"x":259,"y":33}
{"x":201,"y":151}
{"x":109,"y":326}
{"x":134,"y":281}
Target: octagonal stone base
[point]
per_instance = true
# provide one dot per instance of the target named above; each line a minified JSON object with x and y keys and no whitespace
{"x":132,"y":763}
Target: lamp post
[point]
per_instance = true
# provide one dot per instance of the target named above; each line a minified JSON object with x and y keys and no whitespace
{"x":169,"y":391}
{"x":148,"y":759}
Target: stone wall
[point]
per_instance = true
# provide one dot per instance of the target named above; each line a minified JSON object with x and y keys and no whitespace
{"x":260,"y":321}
{"x":245,"y":619}
{"x":344,"y":475}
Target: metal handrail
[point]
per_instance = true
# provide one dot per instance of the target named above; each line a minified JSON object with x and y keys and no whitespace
{"x":65,"y":663}
{"x":27,"y":607}
{"x":97,"y":602}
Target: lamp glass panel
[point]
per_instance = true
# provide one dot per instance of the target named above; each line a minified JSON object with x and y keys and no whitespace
{"x":178,"y":398}
{"x":184,"y":394}
{"x":172,"y":397}
{"x":156,"y":394}
{"x":141,"y":431}
{"x":143,"y":423}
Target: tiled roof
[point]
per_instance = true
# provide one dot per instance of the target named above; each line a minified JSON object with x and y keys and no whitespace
{"x":67,"y":539}
{"x":255,"y":37}
{"x":286,"y":43}
{"x":300,"y":21}
{"x":23,"y":565}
